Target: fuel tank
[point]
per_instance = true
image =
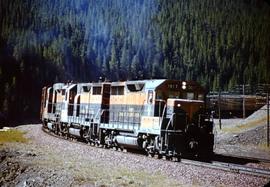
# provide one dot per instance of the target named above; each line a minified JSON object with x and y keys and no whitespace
{"x":74,"y":132}
{"x":127,"y":141}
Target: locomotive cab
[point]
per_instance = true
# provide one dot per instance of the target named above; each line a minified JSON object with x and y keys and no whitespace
{"x":191,"y":129}
{"x":178,"y":108}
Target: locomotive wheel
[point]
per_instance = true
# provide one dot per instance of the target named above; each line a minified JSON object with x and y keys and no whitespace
{"x":150,"y":154}
{"x":120,"y":149}
{"x":176,"y":158}
{"x":158,"y":156}
{"x":168,"y":157}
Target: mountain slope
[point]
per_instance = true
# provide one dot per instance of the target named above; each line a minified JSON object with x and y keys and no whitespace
{"x":218,"y":43}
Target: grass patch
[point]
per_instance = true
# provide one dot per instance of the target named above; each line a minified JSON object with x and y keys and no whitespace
{"x":102,"y":176}
{"x":12,"y":136}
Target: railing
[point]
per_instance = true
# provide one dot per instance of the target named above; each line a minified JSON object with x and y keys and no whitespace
{"x":163,"y":112}
{"x":167,"y":127}
{"x":91,"y":125}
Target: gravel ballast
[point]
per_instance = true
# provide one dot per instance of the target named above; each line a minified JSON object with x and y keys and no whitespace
{"x":49,"y":161}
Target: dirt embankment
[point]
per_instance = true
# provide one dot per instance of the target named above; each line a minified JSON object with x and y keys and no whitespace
{"x":246,"y":137}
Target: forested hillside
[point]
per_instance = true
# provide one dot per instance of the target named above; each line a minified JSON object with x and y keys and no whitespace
{"x":218,"y":43}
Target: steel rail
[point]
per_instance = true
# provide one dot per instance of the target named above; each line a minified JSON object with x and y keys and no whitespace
{"x":230,"y":167}
{"x":245,"y":157}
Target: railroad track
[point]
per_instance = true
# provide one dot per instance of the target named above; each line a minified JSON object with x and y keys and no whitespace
{"x":230,"y":167}
{"x":225,"y":166}
{"x":252,"y":159}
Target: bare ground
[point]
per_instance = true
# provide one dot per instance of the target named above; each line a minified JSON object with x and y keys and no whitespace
{"x":49,"y":161}
{"x":245,"y":137}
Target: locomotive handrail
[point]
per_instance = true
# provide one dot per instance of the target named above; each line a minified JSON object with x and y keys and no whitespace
{"x":171,"y":131}
{"x":170,"y":121}
{"x":91,"y":123}
{"x":88,"y":104}
{"x":54,"y":112}
{"x":99,"y":113}
{"x":163,"y":112}
{"x":166,"y":134}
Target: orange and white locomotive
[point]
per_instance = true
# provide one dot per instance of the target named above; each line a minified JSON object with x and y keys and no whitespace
{"x":163,"y":117}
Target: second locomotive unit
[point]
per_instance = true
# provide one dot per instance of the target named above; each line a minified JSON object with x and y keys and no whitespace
{"x":163,"y":117}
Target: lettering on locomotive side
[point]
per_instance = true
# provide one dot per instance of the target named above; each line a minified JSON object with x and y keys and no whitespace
{"x":178,"y":86}
{"x":173,"y":86}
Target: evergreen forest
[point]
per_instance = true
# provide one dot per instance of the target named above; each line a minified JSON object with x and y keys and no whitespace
{"x":219,"y":43}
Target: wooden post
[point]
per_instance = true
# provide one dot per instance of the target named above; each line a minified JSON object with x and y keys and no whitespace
{"x":267,"y":118}
{"x":219,"y":112}
{"x":244,"y":107}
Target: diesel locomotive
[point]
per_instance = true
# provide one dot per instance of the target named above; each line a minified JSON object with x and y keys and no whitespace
{"x":161,"y":117}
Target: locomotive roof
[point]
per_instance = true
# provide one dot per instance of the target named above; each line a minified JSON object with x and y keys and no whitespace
{"x":152,"y":84}
{"x":57,"y":86}
{"x":148,"y":84}
{"x":118,"y":83}
{"x":155,"y":83}
{"x":69,"y":86}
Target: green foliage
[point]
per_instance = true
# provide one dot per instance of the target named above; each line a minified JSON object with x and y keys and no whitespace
{"x":217,"y":43}
{"x":216,"y":40}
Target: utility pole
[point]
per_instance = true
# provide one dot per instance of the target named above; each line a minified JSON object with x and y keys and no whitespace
{"x":244,"y":107}
{"x":219,"y":112}
{"x":267,"y":118}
